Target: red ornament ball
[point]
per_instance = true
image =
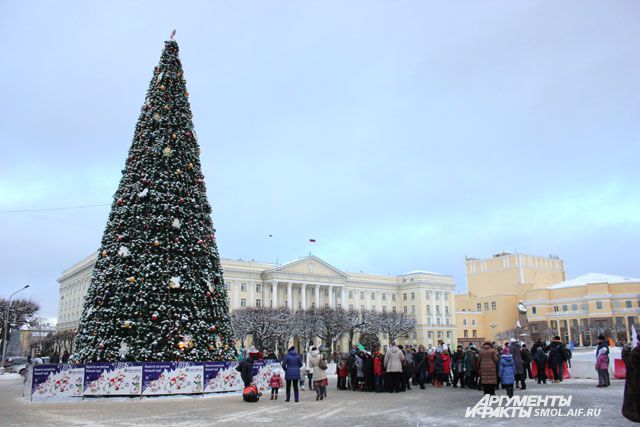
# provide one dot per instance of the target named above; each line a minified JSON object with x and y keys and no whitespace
{"x":120,"y":202}
{"x":208,"y":294}
{"x":154,"y":317}
{"x":101,"y":346}
{"x":181,"y":200}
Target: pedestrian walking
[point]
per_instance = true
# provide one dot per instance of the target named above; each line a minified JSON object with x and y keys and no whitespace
{"x":631,"y":402}
{"x":514,"y":350}
{"x":319,"y":366}
{"x":541,"y":365}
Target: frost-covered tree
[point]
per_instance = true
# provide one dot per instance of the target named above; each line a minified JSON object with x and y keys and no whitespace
{"x":306,"y":324}
{"x":395,"y":325}
{"x":334,"y":324}
{"x":157,"y":291}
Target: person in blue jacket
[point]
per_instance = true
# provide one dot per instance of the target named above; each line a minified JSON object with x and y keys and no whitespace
{"x":507,"y":370}
{"x":291,"y":365}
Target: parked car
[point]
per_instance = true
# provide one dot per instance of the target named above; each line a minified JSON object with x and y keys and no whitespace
{"x":19,"y":365}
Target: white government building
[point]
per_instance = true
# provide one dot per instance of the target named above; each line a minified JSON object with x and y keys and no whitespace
{"x":309,"y":282}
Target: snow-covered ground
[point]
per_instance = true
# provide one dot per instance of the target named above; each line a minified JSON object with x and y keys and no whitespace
{"x":8,"y":376}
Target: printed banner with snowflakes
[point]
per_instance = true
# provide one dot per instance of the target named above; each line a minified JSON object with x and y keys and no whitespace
{"x":113,"y":379}
{"x":172,"y":378}
{"x":51,"y":382}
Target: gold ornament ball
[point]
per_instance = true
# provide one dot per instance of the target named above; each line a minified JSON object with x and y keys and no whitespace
{"x":166,"y":107}
{"x":211,"y":348}
{"x":167,"y":151}
{"x":132,"y":279}
{"x":161,"y":87}
{"x":156,"y":243}
{"x":104,"y":253}
{"x":181,"y":346}
{"x":174,"y":136}
{"x":127,"y":324}
{"x":186,"y":93}
{"x":178,"y":171}
{"x":190,"y":165}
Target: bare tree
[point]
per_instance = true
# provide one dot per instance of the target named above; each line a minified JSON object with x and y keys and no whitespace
{"x":241,"y":324}
{"x":353,"y":319}
{"x":334,"y":325}
{"x":395,"y":325}
{"x":20,"y":312}
{"x":306,"y":324}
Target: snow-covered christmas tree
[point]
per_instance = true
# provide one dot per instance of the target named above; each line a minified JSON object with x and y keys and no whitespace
{"x":157,"y":292}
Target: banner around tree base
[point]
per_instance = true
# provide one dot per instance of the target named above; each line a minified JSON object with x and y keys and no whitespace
{"x":70,"y":382}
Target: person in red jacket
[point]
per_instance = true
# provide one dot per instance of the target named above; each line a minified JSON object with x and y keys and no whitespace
{"x":377,"y":371}
{"x":446,"y":366}
{"x":343,"y":373}
{"x":275,"y":382}
{"x":431,"y":363}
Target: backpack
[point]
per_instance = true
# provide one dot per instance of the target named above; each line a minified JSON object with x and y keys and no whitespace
{"x":251,"y":394}
{"x":322,"y":364}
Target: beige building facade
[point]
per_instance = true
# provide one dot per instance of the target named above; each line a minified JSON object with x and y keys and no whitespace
{"x":495,"y":287}
{"x":306,"y":283}
{"x":582,"y":308}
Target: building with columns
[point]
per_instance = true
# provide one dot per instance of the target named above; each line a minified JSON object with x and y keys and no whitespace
{"x":305,"y":283}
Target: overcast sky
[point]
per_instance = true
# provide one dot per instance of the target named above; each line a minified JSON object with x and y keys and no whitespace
{"x":401,"y":135}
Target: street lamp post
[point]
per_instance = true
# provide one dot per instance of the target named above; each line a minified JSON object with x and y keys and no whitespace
{"x":6,"y":324}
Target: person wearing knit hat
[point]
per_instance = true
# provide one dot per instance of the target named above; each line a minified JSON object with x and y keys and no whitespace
{"x":514,"y":349}
{"x":506,"y":371}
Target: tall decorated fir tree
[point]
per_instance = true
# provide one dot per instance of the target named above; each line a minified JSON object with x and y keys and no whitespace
{"x":157,"y":291}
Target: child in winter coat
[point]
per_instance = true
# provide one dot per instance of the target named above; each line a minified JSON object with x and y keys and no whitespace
{"x":602,"y":366}
{"x":507,"y":371}
{"x":303,"y":373}
{"x":275,"y":382}
{"x":343,"y":373}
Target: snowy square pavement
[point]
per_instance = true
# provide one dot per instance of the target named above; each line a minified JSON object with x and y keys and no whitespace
{"x":446,"y":406}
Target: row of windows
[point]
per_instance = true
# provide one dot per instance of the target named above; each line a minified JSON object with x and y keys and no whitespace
{"x":258,"y":287}
{"x":585,"y":306}
{"x":474,"y":333}
{"x":473,"y":322}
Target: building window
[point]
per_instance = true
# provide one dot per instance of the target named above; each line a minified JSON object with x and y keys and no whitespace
{"x":598,"y":305}
{"x":243,"y":287}
{"x":243,"y":302}
{"x":299,"y":304}
{"x":430,"y":335}
{"x":428,"y":308}
{"x":338,"y":293}
{"x":428,"y":294}
{"x":384,"y":297}
{"x":393,"y":309}
{"x":393,"y":297}
{"x":437,"y":295}
{"x":617,"y":304}
{"x":362,"y":308}
{"x":404,"y":297}
{"x":437,"y":310}
{"x":439,"y":334}
{"x":448,"y":334}
{"x":564,"y":307}
{"x":555,"y":308}
{"x":574,"y":307}
{"x":474,"y":333}
{"x":479,"y":307}
{"x":350,"y":306}
{"x":473,"y":322}
{"x":338,"y":306}
{"x":446,"y":310}
{"x":258,"y":303}
{"x":628,"y":304}
{"x":413,"y":296}
{"x":326,"y":292}
{"x":258,"y":287}
{"x":465,"y":333}
{"x":429,"y":321}
{"x":585,"y":306}
{"x":486,"y":306}
{"x":493,"y":305}
{"x":446,"y":321}
{"x":438,"y":321}
{"x":373,"y":308}
{"x":533,"y":310}
{"x":350,"y":294}
{"x":413,"y":309}
{"x":361,"y":295}
{"x":446,"y":296}
{"x":384,"y":308}
{"x":373,"y":295}
{"x":405,"y":309}
{"x":464,"y":322}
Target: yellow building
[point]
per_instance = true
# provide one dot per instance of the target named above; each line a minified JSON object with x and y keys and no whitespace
{"x":495,"y":287}
{"x":582,"y":308}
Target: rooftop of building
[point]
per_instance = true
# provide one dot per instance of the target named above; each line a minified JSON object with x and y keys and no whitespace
{"x":593,"y":278}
